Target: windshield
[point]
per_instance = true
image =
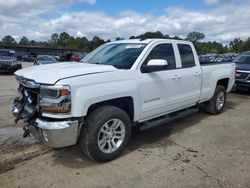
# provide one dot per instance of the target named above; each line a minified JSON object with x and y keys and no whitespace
{"x":46,"y":58}
{"x":121,"y":55}
{"x":243,"y":58}
{"x":7,"y":53}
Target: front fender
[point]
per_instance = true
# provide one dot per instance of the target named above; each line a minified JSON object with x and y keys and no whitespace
{"x":88,"y":95}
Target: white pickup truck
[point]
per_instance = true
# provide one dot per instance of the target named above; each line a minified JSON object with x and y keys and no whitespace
{"x":119,"y":85}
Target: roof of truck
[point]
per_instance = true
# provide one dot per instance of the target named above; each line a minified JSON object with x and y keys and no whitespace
{"x":147,"y":41}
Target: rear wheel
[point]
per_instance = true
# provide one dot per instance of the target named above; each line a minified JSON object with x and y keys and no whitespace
{"x":105,"y":133}
{"x":217,"y":103}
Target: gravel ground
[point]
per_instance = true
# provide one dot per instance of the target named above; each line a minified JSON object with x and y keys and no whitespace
{"x":196,"y":151}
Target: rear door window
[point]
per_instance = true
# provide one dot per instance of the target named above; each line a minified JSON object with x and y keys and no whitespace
{"x":187,"y":56}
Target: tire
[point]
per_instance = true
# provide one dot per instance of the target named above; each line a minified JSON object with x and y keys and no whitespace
{"x":13,"y":71}
{"x":216,"y":104}
{"x":96,"y":144}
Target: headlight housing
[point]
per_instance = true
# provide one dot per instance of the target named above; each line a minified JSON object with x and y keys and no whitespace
{"x":55,"y":99}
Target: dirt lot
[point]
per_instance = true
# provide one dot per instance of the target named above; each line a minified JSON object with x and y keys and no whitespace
{"x":196,"y":151}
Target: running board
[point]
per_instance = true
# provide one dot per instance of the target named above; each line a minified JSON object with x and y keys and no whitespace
{"x":167,"y":118}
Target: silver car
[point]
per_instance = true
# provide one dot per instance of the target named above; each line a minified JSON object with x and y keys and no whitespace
{"x":45,"y":59}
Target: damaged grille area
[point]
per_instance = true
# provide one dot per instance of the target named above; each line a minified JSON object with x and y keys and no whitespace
{"x":26,"y":107}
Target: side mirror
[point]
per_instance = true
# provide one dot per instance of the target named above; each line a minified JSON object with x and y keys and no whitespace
{"x":155,"y":65}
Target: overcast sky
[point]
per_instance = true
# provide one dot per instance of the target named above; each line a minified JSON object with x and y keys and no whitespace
{"x":220,"y":20}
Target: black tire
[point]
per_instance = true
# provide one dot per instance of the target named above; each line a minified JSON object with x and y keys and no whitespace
{"x":210,"y":106}
{"x":13,"y":71}
{"x":90,"y":132}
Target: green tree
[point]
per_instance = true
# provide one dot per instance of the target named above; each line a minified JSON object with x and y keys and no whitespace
{"x":24,"y":41}
{"x":83,"y":44}
{"x":33,"y":42}
{"x":96,"y":42}
{"x":54,"y":39}
{"x":119,"y":38}
{"x":64,"y":39}
{"x":151,"y":35}
{"x":176,"y":37}
{"x":246,"y":45}
{"x":236,"y":45}
{"x":195,"y":36}
{"x":8,"y":40}
{"x":210,"y":47}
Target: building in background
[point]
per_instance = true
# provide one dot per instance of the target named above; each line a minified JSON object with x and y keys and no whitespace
{"x":27,"y":50}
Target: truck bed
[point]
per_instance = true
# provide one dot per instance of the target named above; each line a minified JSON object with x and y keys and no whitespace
{"x":213,"y":72}
{"x":215,"y":63}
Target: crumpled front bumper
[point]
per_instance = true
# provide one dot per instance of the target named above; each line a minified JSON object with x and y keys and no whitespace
{"x":56,"y":134}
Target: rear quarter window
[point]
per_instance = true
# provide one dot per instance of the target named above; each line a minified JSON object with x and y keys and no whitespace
{"x":187,"y":56}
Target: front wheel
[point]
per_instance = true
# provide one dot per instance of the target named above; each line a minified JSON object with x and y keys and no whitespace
{"x":217,"y":103}
{"x":105,"y":133}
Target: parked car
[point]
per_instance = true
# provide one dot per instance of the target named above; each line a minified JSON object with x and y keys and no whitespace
{"x":118,"y":86}
{"x":214,"y":58}
{"x":28,"y":58}
{"x":77,"y":57}
{"x":242,"y":62}
{"x":228,"y":58}
{"x":8,"y":61}
{"x":60,"y":58}
{"x":45,"y":59}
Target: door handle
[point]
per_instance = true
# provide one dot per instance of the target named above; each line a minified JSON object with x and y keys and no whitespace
{"x":197,"y":74}
{"x":176,"y":77}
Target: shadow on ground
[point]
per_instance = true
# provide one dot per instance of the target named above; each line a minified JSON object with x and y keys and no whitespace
{"x":72,"y":157}
{"x":6,"y":74}
{"x":242,"y":92}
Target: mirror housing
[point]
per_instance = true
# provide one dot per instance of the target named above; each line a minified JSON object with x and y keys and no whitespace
{"x":155,"y":65}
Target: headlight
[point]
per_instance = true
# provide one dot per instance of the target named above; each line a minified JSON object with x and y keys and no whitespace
{"x":55,"y":99}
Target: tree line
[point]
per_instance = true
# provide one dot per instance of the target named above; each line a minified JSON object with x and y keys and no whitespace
{"x":65,"y":40}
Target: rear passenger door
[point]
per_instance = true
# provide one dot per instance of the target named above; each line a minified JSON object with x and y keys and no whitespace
{"x":190,"y":75}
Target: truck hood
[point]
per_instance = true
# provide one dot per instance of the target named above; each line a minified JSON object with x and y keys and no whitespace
{"x":51,"y":73}
{"x":243,"y":66}
{"x":4,"y":58}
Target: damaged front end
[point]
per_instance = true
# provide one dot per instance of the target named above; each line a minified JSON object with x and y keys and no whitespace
{"x":39,"y":106}
{"x":26,"y":107}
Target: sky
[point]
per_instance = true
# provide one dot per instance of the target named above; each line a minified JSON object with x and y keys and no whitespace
{"x":219,"y":20}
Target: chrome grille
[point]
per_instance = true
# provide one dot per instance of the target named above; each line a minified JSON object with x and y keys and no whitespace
{"x":242,"y":75}
{"x":6,"y":62}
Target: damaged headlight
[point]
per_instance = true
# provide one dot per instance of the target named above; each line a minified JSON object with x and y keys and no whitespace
{"x":55,"y":99}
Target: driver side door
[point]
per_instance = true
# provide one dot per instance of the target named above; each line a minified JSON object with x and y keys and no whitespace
{"x":160,"y":90}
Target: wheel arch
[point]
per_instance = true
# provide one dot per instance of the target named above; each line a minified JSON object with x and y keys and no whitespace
{"x":223,"y":82}
{"x":124,"y":103}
